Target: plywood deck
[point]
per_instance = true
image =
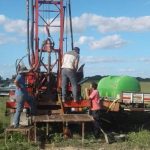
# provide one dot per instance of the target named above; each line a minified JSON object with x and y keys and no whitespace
{"x":63,"y":118}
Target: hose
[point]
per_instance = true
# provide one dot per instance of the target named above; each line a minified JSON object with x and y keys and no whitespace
{"x":112,"y":104}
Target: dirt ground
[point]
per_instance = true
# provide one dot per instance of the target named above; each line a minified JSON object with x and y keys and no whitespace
{"x":100,"y":147}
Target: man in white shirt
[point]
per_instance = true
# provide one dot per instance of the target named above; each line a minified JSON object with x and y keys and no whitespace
{"x":69,"y":68}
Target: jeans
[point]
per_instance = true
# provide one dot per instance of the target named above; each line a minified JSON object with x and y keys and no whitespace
{"x":96,"y":123}
{"x":71,"y":74}
{"x":20,"y":104}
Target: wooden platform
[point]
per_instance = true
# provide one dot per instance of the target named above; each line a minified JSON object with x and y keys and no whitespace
{"x":24,"y":129}
{"x":65,"y":118}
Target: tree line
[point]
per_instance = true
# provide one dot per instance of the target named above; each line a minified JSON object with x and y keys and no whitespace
{"x":7,"y":81}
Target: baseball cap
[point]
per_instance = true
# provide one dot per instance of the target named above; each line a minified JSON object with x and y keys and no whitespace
{"x":22,"y":69}
{"x":77,"y":49}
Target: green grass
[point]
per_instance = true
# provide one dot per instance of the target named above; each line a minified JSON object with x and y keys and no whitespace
{"x":16,"y":141}
{"x":4,"y":120}
{"x":134,"y":141}
{"x":140,"y":140}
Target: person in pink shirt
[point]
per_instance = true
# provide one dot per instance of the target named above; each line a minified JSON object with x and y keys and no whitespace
{"x":94,"y":97}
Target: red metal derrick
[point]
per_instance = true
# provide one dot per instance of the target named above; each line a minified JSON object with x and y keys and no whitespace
{"x":45,"y":36}
{"x":44,"y":8}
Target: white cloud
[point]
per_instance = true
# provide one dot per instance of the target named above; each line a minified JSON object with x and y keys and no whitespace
{"x":2,"y":19}
{"x":15,"y":26}
{"x":127,"y":70}
{"x":132,"y":72}
{"x":113,"y":41}
{"x":111,"y":24}
{"x":81,"y":23}
{"x":107,"y":42}
{"x":83,"y":40}
{"x":86,"y":20}
{"x":99,"y":59}
{"x":5,"y":39}
{"x":93,"y":59}
{"x":144,"y":59}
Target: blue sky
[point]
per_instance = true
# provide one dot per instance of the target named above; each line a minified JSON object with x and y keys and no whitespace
{"x":113,"y":35}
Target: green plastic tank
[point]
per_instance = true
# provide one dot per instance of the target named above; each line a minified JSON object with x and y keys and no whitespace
{"x":112,"y":86}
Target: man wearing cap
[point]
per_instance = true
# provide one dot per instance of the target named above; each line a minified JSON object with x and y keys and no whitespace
{"x":21,"y":95}
{"x":69,"y":68}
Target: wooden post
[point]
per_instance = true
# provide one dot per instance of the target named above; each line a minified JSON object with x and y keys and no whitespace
{"x":35,"y":138}
{"x":82,"y":133}
{"x":5,"y":137}
{"x":61,"y":103}
{"x":47,"y":127}
{"x":28,"y":133}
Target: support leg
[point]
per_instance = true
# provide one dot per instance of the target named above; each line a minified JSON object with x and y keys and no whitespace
{"x":35,"y":138}
{"x":5,"y":137}
{"x":82,"y":132}
{"x":47,"y":128}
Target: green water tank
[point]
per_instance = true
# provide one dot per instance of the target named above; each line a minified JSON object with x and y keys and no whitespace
{"x":112,"y":86}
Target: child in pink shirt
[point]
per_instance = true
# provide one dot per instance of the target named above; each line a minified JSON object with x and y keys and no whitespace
{"x":94,"y":97}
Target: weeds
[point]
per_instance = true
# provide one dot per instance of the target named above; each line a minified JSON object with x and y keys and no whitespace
{"x":56,"y":138}
{"x":16,"y":141}
{"x":140,"y":139}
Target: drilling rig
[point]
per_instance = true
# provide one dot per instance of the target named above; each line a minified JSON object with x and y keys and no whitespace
{"x":46,"y":43}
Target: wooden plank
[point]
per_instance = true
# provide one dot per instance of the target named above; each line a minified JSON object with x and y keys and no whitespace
{"x":22,"y":128}
{"x":61,"y":103}
{"x":63,"y":118}
{"x":77,"y":117}
{"x":40,"y":118}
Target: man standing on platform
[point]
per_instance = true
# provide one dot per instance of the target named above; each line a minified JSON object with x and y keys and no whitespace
{"x":21,"y":95}
{"x":69,"y":68}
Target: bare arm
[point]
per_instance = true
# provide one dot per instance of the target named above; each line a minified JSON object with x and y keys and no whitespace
{"x":87,"y":95}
